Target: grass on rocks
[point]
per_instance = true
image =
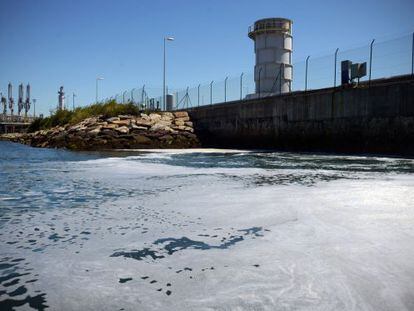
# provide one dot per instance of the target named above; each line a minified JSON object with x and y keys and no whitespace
{"x":63,"y":117}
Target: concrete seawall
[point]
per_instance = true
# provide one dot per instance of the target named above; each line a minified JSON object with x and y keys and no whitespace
{"x":376,"y":119}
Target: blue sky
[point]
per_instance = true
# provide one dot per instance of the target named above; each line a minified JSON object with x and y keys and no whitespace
{"x":51,"y":43}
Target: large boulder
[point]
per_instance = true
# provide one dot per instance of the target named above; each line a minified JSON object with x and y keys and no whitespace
{"x":142,"y":140}
{"x":160,"y":127}
{"x":95,"y":130}
{"x":143,"y":122}
{"x":124,"y":122}
{"x":154,"y":117}
{"x":113,"y":119}
{"x":181,"y":114}
{"x":122,"y":129}
{"x":109,"y":126}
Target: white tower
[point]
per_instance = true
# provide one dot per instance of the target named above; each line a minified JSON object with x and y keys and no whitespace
{"x":273,"y":48}
{"x":61,"y":98}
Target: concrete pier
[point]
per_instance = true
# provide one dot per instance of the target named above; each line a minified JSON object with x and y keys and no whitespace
{"x":14,"y":124}
{"x":375,"y":118}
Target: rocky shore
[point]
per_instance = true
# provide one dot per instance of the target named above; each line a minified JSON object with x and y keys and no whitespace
{"x":153,"y":130}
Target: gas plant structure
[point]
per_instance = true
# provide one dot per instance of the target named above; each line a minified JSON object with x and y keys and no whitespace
{"x":273,"y":70}
{"x":22,"y":103}
{"x":61,"y":99}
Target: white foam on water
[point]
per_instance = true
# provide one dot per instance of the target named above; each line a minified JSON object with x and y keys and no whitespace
{"x":345,"y":244}
{"x":188,"y":151}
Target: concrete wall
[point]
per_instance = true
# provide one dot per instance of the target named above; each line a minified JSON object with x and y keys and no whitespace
{"x":376,"y":119}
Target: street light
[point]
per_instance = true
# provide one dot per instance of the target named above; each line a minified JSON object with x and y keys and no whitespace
{"x":97,"y":79}
{"x":163,"y":84}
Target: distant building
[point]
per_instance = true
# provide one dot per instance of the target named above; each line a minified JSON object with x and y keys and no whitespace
{"x":61,"y":99}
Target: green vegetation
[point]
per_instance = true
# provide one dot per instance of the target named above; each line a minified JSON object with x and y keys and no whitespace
{"x":63,"y":117}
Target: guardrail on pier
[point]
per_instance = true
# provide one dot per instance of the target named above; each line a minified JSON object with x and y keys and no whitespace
{"x":16,"y":119}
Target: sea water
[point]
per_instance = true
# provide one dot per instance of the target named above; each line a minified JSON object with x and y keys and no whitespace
{"x":204,"y":230}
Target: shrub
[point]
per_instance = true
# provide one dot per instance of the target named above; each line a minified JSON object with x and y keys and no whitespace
{"x":63,"y":117}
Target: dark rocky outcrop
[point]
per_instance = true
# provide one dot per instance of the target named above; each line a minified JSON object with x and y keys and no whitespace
{"x":154,"y":130}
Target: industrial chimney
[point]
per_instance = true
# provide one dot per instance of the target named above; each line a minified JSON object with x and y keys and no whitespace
{"x":273,"y":48}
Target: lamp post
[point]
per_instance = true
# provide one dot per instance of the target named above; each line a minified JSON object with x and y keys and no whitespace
{"x":163,"y":84}
{"x":370,"y":61}
{"x":336,"y":56}
{"x":241,"y":85}
{"x":97,"y":79}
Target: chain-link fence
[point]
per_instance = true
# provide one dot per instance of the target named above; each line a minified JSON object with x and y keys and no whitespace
{"x":384,"y":59}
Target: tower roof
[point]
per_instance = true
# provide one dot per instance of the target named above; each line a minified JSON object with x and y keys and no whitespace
{"x":270,"y":25}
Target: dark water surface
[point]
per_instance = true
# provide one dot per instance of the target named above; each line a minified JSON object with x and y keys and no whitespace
{"x":206,"y":229}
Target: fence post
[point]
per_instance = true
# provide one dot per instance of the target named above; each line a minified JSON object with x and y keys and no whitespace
{"x":241,"y":86}
{"x":336,"y":57}
{"x":211,"y":92}
{"x":260,"y":70}
{"x":412,"y":57}
{"x":280,"y":78}
{"x":306,"y":73}
{"x":370,"y":61}
{"x":225,"y":89}
{"x":187,"y":97}
{"x":198,"y":95}
{"x":123,"y":97}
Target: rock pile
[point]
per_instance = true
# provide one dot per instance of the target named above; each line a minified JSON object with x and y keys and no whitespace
{"x":154,"y":130}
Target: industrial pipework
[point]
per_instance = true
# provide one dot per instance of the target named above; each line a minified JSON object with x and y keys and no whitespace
{"x":273,"y":48}
{"x":20,"y":100}
{"x":11,"y":100}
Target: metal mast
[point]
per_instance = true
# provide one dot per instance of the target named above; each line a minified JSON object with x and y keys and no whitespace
{"x":20,"y":100}
{"x":4,"y":103}
{"x":27,"y":102}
